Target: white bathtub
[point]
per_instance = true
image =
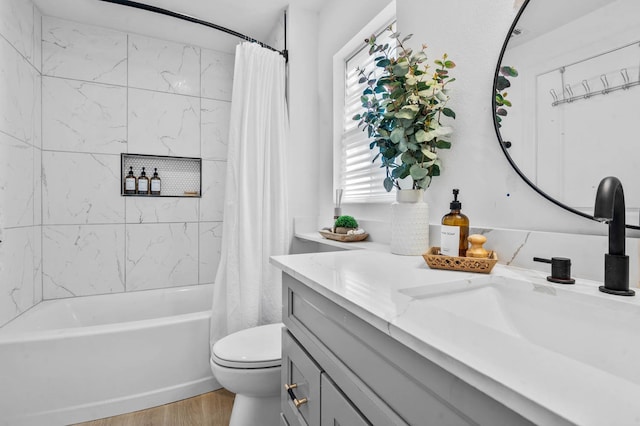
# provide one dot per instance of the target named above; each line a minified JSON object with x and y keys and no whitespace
{"x":85,"y":358}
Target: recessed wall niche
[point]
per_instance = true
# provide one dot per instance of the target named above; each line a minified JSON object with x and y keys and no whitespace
{"x":180,"y":176}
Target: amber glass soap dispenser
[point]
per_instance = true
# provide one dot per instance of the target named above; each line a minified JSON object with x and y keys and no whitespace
{"x":155,"y":183}
{"x":143,"y":183}
{"x":454,"y":230}
{"x":130,"y":183}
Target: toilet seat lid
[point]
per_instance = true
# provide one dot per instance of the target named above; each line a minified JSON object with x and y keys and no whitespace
{"x":256,"y":347}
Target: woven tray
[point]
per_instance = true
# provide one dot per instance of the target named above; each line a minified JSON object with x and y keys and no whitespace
{"x":343,"y":237}
{"x":435,"y":260}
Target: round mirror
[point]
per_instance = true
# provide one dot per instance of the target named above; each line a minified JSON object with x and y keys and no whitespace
{"x":567,"y":100}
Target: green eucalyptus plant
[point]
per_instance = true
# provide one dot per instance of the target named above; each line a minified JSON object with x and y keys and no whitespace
{"x":403,"y":109}
{"x":501,"y":96}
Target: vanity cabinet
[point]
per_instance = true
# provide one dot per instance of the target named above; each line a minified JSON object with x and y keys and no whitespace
{"x":336,"y":408}
{"x":352,"y":373}
{"x":309,"y":396}
{"x":301,"y":387}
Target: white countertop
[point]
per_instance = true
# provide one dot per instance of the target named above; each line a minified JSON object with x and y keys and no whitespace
{"x":354,"y":245}
{"x":542,"y":385}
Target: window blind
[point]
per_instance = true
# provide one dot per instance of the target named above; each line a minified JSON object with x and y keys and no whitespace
{"x":360,"y":179}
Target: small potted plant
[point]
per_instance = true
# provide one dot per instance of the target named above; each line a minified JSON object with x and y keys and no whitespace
{"x":344,"y":224}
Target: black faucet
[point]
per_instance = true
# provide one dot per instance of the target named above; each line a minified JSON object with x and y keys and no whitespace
{"x":610,"y":208}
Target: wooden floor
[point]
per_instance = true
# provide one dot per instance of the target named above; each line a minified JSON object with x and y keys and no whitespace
{"x":209,"y":409}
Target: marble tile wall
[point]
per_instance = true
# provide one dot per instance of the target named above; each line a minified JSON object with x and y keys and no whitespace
{"x":519,"y":247}
{"x":105,"y":92}
{"x":514,"y":247}
{"x":20,"y":158}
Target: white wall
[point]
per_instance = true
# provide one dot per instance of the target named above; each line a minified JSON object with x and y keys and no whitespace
{"x":304,"y":166}
{"x":276,"y":36}
{"x":472,"y":33}
{"x":339,"y":22}
{"x":20,"y":154}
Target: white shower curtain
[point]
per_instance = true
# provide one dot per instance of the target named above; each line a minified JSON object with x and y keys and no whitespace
{"x":247,"y":290}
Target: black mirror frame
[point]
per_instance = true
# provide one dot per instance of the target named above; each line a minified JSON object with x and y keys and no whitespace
{"x":504,"y":145}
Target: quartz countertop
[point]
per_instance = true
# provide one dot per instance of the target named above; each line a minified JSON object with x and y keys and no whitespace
{"x":544,"y":386}
{"x":354,"y":245}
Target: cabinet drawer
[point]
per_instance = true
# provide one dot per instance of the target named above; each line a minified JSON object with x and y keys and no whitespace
{"x":302,"y":375}
{"x":336,"y":408}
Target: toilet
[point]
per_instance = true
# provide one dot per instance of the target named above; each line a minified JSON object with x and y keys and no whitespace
{"x":248,"y":363}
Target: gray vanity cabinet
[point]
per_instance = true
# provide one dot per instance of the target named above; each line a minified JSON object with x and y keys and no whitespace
{"x":301,"y":403}
{"x":336,"y":409}
{"x":351,"y":373}
{"x":314,"y":398}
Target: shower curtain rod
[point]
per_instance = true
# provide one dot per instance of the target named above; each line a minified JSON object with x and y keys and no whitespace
{"x":188,"y":18}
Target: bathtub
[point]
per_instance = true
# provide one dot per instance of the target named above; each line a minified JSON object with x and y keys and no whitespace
{"x":84,"y":358}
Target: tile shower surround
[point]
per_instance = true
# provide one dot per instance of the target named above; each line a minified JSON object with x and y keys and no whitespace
{"x":20,"y":154}
{"x":105,"y":92}
{"x":176,"y":102}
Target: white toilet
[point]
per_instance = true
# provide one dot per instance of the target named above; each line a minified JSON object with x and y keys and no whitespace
{"x":247,"y":363}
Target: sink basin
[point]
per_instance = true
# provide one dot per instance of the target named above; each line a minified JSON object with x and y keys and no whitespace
{"x":576,"y":322}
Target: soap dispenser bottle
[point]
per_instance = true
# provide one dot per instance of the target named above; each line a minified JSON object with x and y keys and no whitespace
{"x":155,"y":183}
{"x":454,"y":230}
{"x":130,"y":182}
{"x":143,"y":183}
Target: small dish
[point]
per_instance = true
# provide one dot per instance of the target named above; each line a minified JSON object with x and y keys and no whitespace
{"x":345,"y":238}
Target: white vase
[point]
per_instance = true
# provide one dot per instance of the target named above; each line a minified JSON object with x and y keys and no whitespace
{"x":409,"y":223}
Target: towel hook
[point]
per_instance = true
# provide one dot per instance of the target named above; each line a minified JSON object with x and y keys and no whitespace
{"x":587,"y":90}
{"x":554,"y":95}
{"x":605,"y":83}
{"x":568,"y":89}
{"x":625,"y":77}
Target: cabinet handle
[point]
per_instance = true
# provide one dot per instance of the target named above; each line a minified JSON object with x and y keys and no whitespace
{"x":297,"y":402}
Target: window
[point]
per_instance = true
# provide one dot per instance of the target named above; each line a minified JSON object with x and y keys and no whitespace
{"x":354,"y":171}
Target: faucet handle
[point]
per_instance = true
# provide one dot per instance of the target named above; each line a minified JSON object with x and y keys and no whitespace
{"x":560,"y":269}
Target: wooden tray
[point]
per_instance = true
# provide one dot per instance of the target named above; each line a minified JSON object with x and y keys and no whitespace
{"x":435,"y":260}
{"x":343,"y":237}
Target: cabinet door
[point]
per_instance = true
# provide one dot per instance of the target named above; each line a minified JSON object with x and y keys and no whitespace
{"x":283,"y":420}
{"x":300,"y":393}
{"x":336,"y":409}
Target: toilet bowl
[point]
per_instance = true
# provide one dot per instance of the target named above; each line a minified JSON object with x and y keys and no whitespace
{"x":248,"y":363}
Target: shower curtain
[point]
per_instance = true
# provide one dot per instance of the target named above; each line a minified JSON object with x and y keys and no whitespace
{"x":255,"y":225}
